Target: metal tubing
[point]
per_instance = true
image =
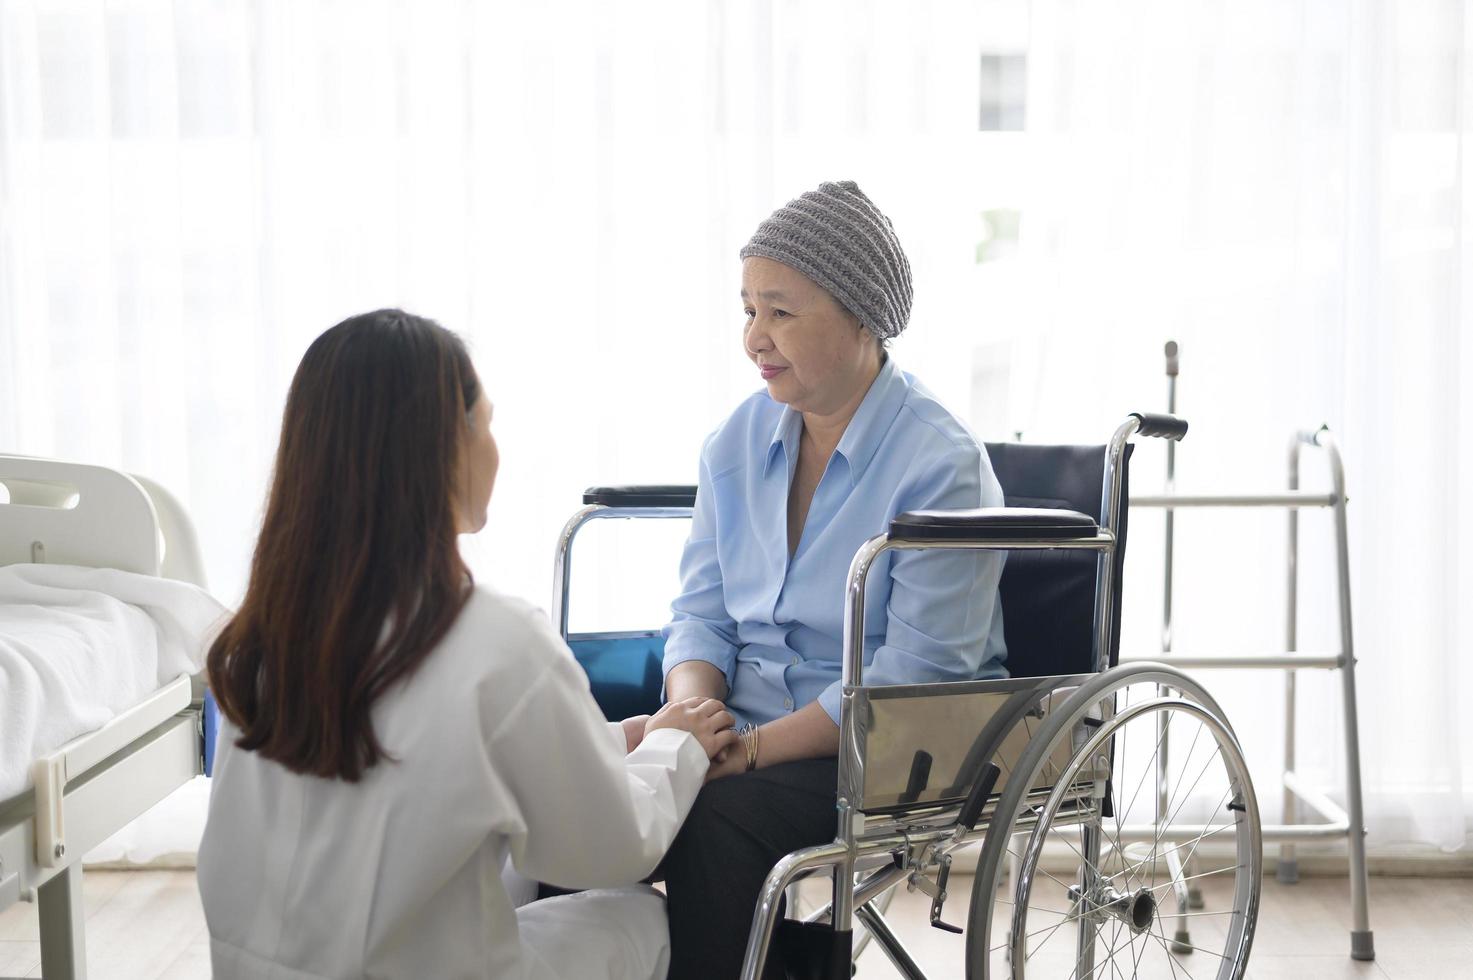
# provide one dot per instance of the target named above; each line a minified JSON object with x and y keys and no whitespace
{"x":1287,"y":870}
{"x":562,"y":562}
{"x":1100,"y":541}
{"x":1110,"y":503}
{"x":890,"y":943}
{"x":843,"y":886}
{"x":1179,"y":500}
{"x":854,"y":591}
{"x":1246,"y":661}
{"x":562,"y":566}
{"x":1162,"y":739}
{"x":1089,"y":886}
{"x":1171,"y":375}
{"x":764,"y":917}
{"x":873,"y":885}
{"x":1329,"y":811}
{"x":1362,"y":943}
{"x":1188,"y":833}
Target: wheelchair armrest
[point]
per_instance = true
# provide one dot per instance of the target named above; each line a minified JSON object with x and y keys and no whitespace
{"x":654,"y":495}
{"x":1160,"y":426}
{"x":990,"y":524}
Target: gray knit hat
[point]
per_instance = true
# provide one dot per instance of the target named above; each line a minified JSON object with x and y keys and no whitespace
{"x":839,"y":239}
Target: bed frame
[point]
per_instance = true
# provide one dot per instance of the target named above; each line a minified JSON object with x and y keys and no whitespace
{"x":88,"y":789}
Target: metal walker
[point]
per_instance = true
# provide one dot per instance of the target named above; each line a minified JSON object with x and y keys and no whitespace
{"x":1335,"y":821}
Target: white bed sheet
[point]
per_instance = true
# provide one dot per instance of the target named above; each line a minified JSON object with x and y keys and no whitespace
{"x":80,"y":645}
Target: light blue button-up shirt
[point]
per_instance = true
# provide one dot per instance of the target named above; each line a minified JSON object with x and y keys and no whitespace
{"x":774,"y":625}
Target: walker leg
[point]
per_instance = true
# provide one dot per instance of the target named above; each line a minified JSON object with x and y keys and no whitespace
{"x":1362,"y":942}
{"x":1181,"y":940}
{"x":1287,"y":870}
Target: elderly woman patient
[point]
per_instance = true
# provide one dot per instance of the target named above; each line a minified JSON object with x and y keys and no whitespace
{"x":393,"y":734}
{"x":802,"y":473}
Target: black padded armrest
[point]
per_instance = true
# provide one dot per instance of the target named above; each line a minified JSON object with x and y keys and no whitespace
{"x":655,"y":495}
{"x":1160,"y":426}
{"x":985,"y":523}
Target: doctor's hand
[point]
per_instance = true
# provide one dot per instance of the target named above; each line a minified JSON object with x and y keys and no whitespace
{"x":705,"y":718}
{"x":729,"y":762}
{"x":634,"y":731}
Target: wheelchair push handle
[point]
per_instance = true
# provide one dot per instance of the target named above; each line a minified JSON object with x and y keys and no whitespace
{"x":1160,"y":425}
{"x":643,"y":495}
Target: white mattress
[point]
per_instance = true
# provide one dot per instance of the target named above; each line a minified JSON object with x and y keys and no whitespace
{"x":80,"y":645}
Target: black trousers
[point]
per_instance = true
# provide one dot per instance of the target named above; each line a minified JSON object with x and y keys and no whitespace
{"x":738,"y":829}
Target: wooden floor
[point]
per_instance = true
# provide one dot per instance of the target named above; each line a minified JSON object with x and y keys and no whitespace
{"x":147,"y":925}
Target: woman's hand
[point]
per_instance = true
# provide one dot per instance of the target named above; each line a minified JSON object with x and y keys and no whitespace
{"x":634,"y":732}
{"x":730,"y":762}
{"x":705,"y":718}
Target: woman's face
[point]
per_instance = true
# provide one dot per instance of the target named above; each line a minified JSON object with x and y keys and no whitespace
{"x":478,"y":464}
{"x":814,"y":355}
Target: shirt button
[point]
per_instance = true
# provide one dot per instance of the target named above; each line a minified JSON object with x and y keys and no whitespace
{"x":788,"y":703}
{"x":796,"y":661}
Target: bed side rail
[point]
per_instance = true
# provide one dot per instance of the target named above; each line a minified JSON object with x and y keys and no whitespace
{"x":53,"y":771}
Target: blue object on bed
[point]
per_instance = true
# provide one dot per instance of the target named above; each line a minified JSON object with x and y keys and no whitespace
{"x":624,"y":669}
{"x":212,"y":725}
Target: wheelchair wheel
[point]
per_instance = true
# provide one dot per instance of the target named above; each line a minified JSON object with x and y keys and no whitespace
{"x":1100,"y":863}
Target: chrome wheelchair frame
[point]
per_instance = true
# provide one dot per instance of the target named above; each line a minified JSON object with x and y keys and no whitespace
{"x":1040,"y":763}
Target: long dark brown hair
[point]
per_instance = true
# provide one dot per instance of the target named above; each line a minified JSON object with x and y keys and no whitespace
{"x":356,"y":575}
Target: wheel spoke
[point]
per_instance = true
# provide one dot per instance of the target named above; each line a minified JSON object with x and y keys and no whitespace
{"x":1078,"y":962}
{"x":1196,"y":840}
{"x":1204,"y":834}
{"x":1172,"y":819}
{"x":1030,"y":908}
{"x":1188,"y":915}
{"x":1072,"y":917}
{"x":1172,"y":798}
{"x":1204,"y":874}
{"x":1135,"y":966}
{"x":1171,"y":957}
{"x":1087,"y":863}
{"x":1151,"y":769}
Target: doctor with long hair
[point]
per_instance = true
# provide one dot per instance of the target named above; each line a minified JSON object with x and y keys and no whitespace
{"x":394,"y":737}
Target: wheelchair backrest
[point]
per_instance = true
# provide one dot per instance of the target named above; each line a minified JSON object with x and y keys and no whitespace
{"x":1048,"y":597}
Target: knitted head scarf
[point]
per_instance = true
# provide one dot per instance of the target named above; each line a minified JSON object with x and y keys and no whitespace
{"x":838,"y":238}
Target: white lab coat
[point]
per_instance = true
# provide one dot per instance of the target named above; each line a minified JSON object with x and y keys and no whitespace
{"x":500,"y":752}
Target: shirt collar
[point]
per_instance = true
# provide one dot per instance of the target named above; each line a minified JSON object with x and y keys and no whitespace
{"x":865,"y":431}
{"x":785,"y":437}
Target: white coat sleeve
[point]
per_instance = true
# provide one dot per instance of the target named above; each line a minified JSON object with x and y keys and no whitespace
{"x":591,"y":816}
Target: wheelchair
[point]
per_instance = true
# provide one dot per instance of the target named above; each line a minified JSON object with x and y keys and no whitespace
{"x":1057,"y":771}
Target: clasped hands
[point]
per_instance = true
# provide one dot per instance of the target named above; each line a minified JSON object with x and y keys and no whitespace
{"x":705,"y":718}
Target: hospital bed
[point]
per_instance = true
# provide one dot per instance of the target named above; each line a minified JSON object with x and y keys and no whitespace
{"x":87,"y":789}
{"x":1046,"y":769}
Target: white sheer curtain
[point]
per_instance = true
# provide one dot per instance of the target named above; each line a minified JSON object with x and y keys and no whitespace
{"x":189,"y":193}
{"x":1283,"y":187}
{"x":192,"y":192}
